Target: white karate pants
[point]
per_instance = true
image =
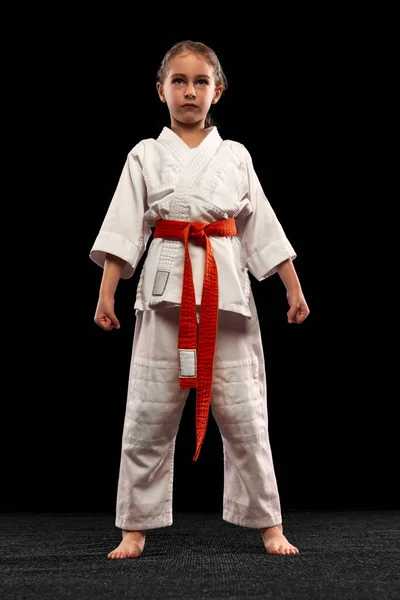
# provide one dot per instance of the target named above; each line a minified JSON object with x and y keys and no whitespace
{"x":153,"y":412}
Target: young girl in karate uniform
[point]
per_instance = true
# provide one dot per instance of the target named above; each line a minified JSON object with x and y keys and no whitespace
{"x":196,"y":321}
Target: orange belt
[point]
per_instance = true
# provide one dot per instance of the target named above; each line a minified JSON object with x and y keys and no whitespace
{"x":198,"y":232}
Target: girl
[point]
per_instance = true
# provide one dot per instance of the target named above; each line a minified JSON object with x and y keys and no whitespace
{"x":196,"y":321}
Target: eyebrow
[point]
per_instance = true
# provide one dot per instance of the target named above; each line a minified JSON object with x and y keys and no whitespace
{"x":183,"y":75}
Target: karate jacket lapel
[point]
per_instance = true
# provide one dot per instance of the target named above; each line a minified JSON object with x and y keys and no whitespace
{"x":195,"y":162}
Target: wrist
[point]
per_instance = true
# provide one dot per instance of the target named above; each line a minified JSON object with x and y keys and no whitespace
{"x":293,"y":289}
{"x":107,"y":293}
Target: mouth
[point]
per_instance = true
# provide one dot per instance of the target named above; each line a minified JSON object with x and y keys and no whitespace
{"x":189,"y":105}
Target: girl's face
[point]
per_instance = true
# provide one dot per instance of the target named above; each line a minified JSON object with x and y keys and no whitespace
{"x":189,"y":89}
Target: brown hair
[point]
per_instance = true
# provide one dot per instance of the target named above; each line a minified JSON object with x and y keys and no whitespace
{"x":200,"y":50}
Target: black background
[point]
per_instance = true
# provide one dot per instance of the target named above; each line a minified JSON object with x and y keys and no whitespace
{"x":85,"y":95}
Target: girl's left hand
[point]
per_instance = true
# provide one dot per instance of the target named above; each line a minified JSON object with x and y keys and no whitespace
{"x":298,"y":307}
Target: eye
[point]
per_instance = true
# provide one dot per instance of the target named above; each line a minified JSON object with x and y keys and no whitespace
{"x":177,"y":80}
{"x":203,"y":81}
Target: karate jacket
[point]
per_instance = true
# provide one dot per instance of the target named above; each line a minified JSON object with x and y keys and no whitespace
{"x":165,"y":179}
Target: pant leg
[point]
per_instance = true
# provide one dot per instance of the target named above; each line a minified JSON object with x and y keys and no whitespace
{"x":239,"y":406}
{"x":153,"y":412}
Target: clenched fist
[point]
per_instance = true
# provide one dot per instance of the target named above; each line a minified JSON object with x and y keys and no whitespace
{"x":298,"y":307}
{"x":105,"y":315}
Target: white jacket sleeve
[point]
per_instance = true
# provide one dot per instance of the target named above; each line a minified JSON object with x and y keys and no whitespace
{"x":124,"y":232}
{"x":264,"y":240}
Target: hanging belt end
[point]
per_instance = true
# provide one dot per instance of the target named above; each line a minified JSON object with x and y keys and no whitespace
{"x":196,"y":456}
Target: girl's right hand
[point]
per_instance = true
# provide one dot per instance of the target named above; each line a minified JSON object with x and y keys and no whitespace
{"x":105,"y":316}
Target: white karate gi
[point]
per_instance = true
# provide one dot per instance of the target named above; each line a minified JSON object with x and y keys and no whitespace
{"x":165,"y":179}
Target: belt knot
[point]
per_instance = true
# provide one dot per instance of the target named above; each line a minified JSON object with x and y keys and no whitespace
{"x":197,"y":233}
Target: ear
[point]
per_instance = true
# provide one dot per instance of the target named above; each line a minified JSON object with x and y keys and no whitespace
{"x":217,"y":94}
{"x":160,"y":92}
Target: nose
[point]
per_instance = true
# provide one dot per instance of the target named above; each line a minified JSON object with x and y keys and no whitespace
{"x":190,"y":92}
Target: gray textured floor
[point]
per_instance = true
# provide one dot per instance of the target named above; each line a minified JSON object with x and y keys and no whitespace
{"x":343,"y":555}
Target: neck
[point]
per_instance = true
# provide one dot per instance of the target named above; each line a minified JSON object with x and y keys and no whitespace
{"x":189,"y":131}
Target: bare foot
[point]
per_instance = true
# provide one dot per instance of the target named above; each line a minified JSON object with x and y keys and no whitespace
{"x":131,"y":546}
{"x":275,"y":542}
